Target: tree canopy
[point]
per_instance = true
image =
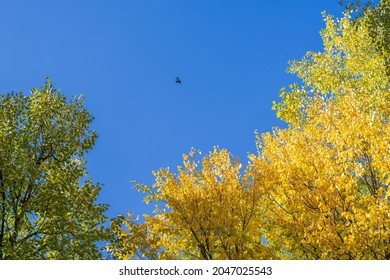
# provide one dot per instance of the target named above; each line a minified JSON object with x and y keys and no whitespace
{"x":207,"y":213}
{"x":317,"y":189}
{"x":47,"y":205}
{"x":326,"y":184}
{"x":326,"y":176}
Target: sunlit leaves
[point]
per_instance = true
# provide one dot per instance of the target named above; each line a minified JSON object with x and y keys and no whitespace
{"x":326,"y":177}
{"x":326,"y":184}
{"x":209,"y":210}
{"x":46,"y":210}
{"x":350,"y":61}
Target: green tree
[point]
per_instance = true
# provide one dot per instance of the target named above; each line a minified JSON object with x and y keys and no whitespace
{"x":47,"y":205}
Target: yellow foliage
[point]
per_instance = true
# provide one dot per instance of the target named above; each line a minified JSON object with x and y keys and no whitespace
{"x":212,"y":212}
{"x":350,"y":61}
{"x":326,"y":183}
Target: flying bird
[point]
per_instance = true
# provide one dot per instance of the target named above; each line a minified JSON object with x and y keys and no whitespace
{"x":178,"y":81}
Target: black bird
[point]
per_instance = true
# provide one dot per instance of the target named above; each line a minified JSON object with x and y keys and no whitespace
{"x":178,"y":81}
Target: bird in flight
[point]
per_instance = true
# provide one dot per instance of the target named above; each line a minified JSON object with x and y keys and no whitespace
{"x":178,"y":81}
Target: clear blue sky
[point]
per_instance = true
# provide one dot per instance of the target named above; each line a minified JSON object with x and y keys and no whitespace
{"x":124,"y":55}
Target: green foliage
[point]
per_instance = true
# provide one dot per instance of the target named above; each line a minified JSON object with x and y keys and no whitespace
{"x":378,"y":20}
{"x":47,"y":209}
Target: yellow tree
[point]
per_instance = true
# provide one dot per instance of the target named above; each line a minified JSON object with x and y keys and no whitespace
{"x":351,"y":60}
{"x":326,"y":177}
{"x":204,"y":212}
{"x":326,"y":184}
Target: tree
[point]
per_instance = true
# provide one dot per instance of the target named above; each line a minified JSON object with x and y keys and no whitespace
{"x":47,"y":208}
{"x":207,"y":212}
{"x":379,"y":26}
{"x":378,"y":22}
{"x":326,"y":177}
{"x":356,"y":5}
{"x":350,"y":61}
{"x":326,"y":184}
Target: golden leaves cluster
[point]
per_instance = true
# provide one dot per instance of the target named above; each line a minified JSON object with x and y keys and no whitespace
{"x":326,"y":184}
{"x":205,"y":213}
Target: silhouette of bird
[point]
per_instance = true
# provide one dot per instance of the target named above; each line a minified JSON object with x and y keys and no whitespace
{"x":178,"y":81}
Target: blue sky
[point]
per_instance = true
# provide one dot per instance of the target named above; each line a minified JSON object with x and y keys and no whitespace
{"x":124,"y":56}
